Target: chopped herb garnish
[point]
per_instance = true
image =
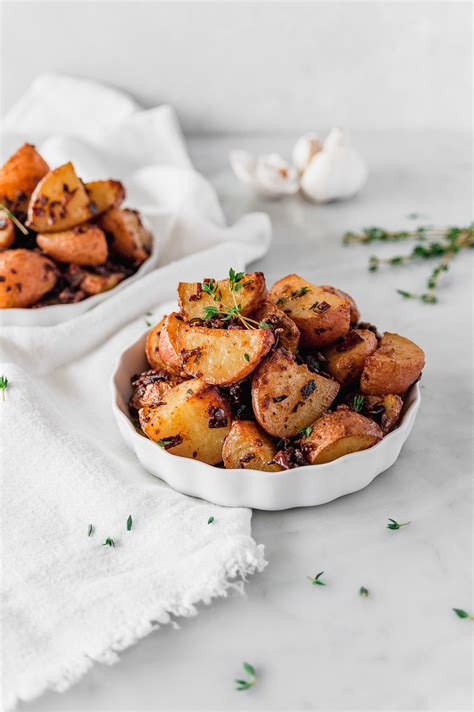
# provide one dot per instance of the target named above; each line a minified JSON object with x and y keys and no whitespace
{"x":210,"y":520}
{"x":357,"y":403}
{"x":129,"y":522}
{"x":246,"y":357}
{"x":281,"y":301}
{"x":306,"y":432}
{"x":3,"y":385}
{"x":172,"y":441}
{"x":392,"y":524}
{"x":252,"y":678}
{"x":109,"y":542}
{"x":363,"y":591}
{"x":90,"y":530}
{"x":264,"y":325}
{"x":300,"y":292}
{"x":462,"y":614}
{"x":316,"y":580}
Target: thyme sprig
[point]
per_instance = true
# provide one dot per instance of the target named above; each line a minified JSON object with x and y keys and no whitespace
{"x":228,"y":313}
{"x":109,"y":542}
{"x":393,"y":524}
{"x":3,"y":385}
{"x":432,"y":243}
{"x":316,"y":580}
{"x":14,"y":219}
{"x":358,"y":403}
{"x":252,"y":678}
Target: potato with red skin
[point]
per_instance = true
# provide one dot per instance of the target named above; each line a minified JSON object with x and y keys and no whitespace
{"x":193,"y":421}
{"x":168,"y":349}
{"x":105,"y":194}
{"x":248,"y":447}
{"x":7,"y":231}
{"x":392,"y":406}
{"x":321,"y":316}
{"x":83,"y":245}
{"x":129,"y":237}
{"x":222,"y":356}
{"x":287,"y":396}
{"x":19,"y":177}
{"x":152,"y":350}
{"x":193,"y":300}
{"x":59,"y":201}
{"x":393,"y":367}
{"x":338,"y":433}
{"x":93,"y":284}
{"x":281,"y":325}
{"x":355,"y":314}
{"x":25,"y":277}
{"x":345,"y":360}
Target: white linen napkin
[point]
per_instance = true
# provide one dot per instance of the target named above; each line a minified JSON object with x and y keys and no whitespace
{"x":68,"y":600}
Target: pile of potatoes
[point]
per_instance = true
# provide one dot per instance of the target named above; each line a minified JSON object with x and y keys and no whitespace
{"x":62,"y":240}
{"x":269,"y":380}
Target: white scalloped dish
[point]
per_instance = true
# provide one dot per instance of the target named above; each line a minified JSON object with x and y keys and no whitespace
{"x":299,"y":487}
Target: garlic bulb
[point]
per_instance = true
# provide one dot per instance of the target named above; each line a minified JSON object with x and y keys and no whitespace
{"x":334,"y":173}
{"x":270,"y":175}
{"x":306,"y":147}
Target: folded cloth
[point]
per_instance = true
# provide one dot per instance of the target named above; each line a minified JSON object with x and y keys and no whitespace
{"x":69,"y":599}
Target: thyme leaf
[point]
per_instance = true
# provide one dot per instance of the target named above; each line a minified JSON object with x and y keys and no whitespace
{"x":462,"y":614}
{"x":393,"y":524}
{"x":363,"y":591}
{"x":357,"y":403}
{"x":316,"y":580}
{"x":3,"y":385}
{"x":210,"y":520}
{"x":252,"y":678}
{"x":129,"y":522}
{"x":109,"y":542}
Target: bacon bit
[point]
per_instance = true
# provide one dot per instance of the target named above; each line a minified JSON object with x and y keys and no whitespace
{"x":217,"y":419}
{"x":297,"y":405}
{"x":186,"y":355}
{"x":171,"y":441}
{"x":279,"y":399}
{"x":246,"y":458}
{"x":196,"y":297}
{"x":320,"y":307}
{"x":351,"y":339}
{"x":308,"y":388}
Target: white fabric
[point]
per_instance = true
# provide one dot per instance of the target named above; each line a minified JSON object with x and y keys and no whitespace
{"x":67,"y":599}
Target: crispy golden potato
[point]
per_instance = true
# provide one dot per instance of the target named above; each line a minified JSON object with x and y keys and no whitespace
{"x":97,"y":283}
{"x":168,"y":348}
{"x":7,"y":231}
{"x":345,"y":360}
{"x":19,"y":177}
{"x":193,"y":421}
{"x":129,"y":237}
{"x":193,"y":300}
{"x":355,"y":314}
{"x":104,"y":194}
{"x":284,"y":328}
{"x":287,"y":396}
{"x":59,"y":201}
{"x":247,"y":447}
{"x":152,"y":349}
{"x":392,"y":409}
{"x":321,"y":316}
{"x":222,"y":356}
{"x":149,"y":388}
{"x":83,"y":245}
{"x":337,"y":434}
{"x":25,"y":277}
{"x":393,"y":367}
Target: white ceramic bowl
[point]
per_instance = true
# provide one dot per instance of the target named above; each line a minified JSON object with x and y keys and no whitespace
{"x":58,"y":313}
{"x":300,"y":487}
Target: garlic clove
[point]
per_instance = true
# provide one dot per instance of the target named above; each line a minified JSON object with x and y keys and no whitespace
{"x":306,"y":147}
{"x":336,"y":172}
{"x":269,"y":175}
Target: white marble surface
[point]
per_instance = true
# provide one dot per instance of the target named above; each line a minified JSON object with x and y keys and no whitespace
{"x":319,"y":648}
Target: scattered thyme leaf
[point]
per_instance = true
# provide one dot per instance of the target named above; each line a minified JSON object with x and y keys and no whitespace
{"x":129,"y":522}
{"x":300,"y":292}
{"x":252,"y":678}
{"x":393,"y":524}
{"x":264,"y":325}
{"x":306,"y":432}
{"x":90,"y":530}
{"x":316,"y":580}
{"x":363,"y":591}
{"x":109,"y":542}
{"x":210,"y":520}
{"x":462,"y":614}
{"x":3,"y":385}
{"x":246,"y":358}
{"x":358,"y":403}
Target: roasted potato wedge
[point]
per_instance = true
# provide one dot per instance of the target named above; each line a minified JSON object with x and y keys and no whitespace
{"x":355,"y":314}
{"x":19,"y":177}
{"x":247,"y":447}
{"x":129,"y":237}
{"x":222,"y":356}
{"x":283,"y":328}
{"x":97,"y":283}
{"x":105,"y":194}
{"x":25,"y":277}
{"x":321,"y":316}
{"x":83,"y":245}
{"x":152,"y":349}
{"x":392,"y":409}
{"x":59,"y":201}
{"x":193,"y":300}
{"x":337,"y":434}
{"x":7,"y":231}
{"x":150,"y":388}
{"x":193,"y":421}
{"x":346,"y":358}
{"x":393,"y":367}
{"x":287,"y":396}
{"x":168,"y":349}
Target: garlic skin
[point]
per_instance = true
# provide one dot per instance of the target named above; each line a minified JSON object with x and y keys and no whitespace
{"x":270,"y":176}
{"x":305,"y":149}
{"x":336,"y":172}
